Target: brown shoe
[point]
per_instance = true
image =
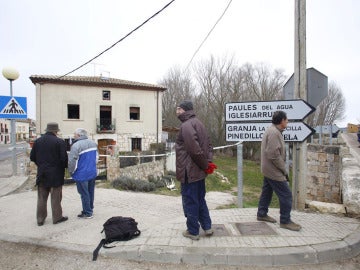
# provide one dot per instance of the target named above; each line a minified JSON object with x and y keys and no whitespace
{"x":266,"y":219}
{"x":292,"y":226}
{"x":63,"y":219}
{"x":191,"y":236}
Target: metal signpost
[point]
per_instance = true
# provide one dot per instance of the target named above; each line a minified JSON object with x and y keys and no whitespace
{"x":249,"y":120}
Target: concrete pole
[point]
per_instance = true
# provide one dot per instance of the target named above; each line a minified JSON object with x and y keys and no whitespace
{"x":299,"y":164}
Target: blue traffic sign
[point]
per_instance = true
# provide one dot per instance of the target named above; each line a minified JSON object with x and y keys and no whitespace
{"x":13,"y":107}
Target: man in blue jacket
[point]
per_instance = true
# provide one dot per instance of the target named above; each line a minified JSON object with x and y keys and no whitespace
{"x":82,"y":167}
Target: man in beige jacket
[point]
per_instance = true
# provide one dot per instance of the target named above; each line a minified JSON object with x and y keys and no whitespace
{"x":273,"y":158}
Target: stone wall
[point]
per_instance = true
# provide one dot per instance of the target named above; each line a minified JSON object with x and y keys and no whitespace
{"x":140,"y":171}
{"x":144,"y":170}
{"x":324,"y":173}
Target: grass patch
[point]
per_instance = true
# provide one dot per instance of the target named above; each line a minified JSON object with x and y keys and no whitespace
{"x":252,"y":180}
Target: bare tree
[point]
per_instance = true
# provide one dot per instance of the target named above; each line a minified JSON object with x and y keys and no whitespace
{"x":215,"y":80}
{"x":332,"y":108}
{"x":179,"y":87}
{"x":262,"y":83}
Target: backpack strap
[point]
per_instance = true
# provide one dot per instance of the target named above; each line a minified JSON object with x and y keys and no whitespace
{"x":96,"y":251}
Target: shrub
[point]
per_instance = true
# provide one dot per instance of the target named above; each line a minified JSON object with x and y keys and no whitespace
{"x":158,"y":182}
{"x":127,"y":183}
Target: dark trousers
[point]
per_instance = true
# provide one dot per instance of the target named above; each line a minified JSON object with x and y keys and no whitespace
{"x":282,"y":190}
{"x":195,"y":207}
{"x":56,"y":196}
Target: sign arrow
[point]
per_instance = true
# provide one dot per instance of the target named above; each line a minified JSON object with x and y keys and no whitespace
{"x":296,"y":109}
{"x":253,"y":132}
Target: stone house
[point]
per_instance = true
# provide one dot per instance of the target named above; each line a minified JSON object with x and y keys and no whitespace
{"x":113,"y":111}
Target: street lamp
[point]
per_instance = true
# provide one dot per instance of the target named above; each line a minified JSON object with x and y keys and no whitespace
{"x":12,"y":74}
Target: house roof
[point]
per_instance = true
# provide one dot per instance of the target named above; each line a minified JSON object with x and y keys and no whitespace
{"x":94,"y":81}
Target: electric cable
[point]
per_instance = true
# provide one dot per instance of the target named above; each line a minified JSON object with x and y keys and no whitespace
{"x":218,"y":20}
{"x":113,"y":45}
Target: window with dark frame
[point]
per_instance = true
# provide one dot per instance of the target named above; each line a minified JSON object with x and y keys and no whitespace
{"x":135,"y":144}
{"x":73,"y":111}
{"x":106,"y":94}
{"x":134,"y":113}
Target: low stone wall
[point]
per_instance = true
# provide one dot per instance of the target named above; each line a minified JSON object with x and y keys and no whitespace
{"x":351,"y":185}
{"x":143,"y":171}
{"x":324,"y":173}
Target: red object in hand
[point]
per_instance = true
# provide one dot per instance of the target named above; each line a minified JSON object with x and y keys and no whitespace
{"x":211,"y":167}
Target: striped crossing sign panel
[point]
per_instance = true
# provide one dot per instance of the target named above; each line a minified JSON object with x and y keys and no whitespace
{"x":13,"y":107}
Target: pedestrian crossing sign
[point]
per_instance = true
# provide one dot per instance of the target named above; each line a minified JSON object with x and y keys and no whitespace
{"x":13,"y":107}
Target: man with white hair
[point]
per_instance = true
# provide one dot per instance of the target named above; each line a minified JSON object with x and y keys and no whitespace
{"x":82,"y":167}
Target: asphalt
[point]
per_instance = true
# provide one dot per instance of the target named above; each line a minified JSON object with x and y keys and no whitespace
{"x":239,"y":239}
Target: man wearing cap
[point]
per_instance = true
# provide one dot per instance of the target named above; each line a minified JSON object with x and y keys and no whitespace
{"x":193,"y":154}
{"x":49,"y":154}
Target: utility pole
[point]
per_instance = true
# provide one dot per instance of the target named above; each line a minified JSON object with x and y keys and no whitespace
{"x":300,"y":91}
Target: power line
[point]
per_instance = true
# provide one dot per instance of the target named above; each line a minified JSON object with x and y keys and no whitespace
{"x":113,"y":45}
{"x":218,"y":20}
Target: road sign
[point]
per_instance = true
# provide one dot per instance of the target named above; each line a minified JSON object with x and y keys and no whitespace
{"x":13,"y":107}
{"x":253,"y":132}
{"x":316,"y":85}
{"x":296,"y":109}
{"x":327,"y":129}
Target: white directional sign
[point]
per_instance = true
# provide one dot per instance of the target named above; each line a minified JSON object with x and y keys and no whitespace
{"x":253,"y":132}
{"x":296,"y":109}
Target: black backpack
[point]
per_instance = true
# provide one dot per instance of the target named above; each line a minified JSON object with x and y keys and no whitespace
{"x":117,"y":229}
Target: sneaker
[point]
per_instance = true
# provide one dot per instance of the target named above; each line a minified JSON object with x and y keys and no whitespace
{"x":82,"y":215}
{"x":209,"y":232}
{"x":292,"y":226}
{"x":266,"y":219}
{"x":191,"y":236}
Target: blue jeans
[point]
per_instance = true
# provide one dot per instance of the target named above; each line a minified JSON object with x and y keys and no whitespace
{"x":195,"y":207}
{"x":86,"y":190}
{"x":282,"y":190}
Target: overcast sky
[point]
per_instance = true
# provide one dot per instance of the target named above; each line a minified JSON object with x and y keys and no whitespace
{"x":42,"y":37}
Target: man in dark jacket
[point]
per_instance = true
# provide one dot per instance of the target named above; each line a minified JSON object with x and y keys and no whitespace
{"x":193,"y":154}
{"x":49,"y":154}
